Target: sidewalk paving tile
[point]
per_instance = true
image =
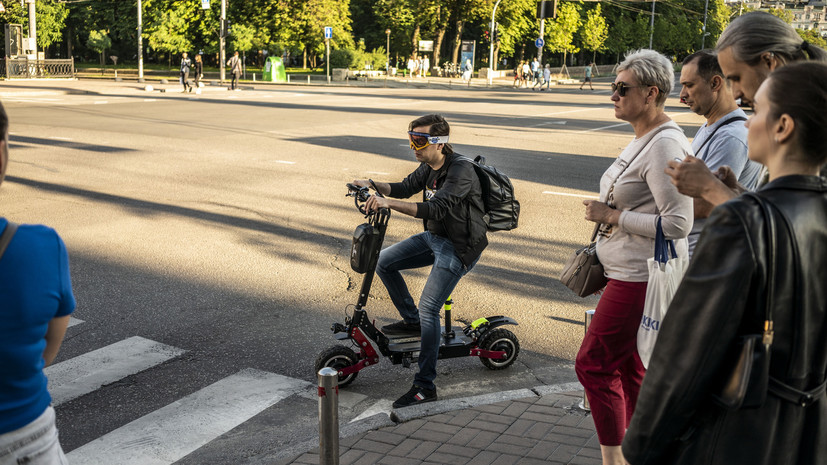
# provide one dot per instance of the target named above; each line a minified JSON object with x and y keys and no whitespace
{"x":467,"y":452}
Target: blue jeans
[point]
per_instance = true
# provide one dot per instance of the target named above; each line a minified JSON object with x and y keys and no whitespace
{"x":35,"y":443}
{"x":420,"y":250}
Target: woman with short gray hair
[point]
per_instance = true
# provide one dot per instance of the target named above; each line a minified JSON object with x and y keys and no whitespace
{"x":635,"y":197}
{"x":653,"y":69}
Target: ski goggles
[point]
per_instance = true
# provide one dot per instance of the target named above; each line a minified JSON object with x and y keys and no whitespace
{"x":420,"y":140}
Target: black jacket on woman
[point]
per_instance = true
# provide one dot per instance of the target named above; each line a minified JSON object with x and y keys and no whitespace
{"x":456,"y":210}
{"x":721,"y":297}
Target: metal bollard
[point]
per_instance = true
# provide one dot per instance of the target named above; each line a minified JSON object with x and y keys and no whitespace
{"x":328,"y":416}
{"x":288,"y":79}
{"x":308,"y":79}
{"x":589,"y":315}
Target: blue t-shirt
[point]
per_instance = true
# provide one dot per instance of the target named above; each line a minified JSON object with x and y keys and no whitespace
{"x":34,"y":288}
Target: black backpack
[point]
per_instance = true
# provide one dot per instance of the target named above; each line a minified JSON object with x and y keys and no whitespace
{"x":501,"y":208}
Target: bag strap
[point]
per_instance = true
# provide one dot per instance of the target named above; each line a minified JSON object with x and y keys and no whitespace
{"x":629,"y":163}
{"x":663,"y":246}
{"x":6,"y":237}
{"x":733,"y":119}
{"x":772,"y":239}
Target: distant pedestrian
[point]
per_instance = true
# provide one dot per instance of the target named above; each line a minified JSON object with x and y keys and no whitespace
{"x":411,"y":66}
{"x":199,"y":73}
{"x":426,"y":63}
{"x":185,"y":71}
{"x":36,"y":300}
{"x":535,"y":71}
{"x":546,"y":77}
{"x":467,"y":70}
{"x":235,"y":69}
{"x":587,"y":77}
{"x":525,"y":76}
{"x":518,"y":72}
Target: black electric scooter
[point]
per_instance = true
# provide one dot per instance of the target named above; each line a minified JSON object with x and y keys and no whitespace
{"x":496,"y":347}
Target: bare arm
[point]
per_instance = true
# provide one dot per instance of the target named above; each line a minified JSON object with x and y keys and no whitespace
{"x":54,"y":337}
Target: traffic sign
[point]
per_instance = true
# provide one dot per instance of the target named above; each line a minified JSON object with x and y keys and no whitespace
{"x":2,"y":8}
{"x":539,"y":42}
{"x":328,"y":32}
{"x":205,"y":4}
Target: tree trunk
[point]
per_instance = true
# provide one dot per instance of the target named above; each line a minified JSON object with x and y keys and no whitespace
{"x":304,"y":58}
{"x":496,"y":57}
{"x":457,"y":41}
{"x":415,"y":40}
{"x":440,"y":35}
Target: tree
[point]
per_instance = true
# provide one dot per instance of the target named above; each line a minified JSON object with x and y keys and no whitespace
{"x":51,"y":20}
{"x":560,"y":36}
{"x":167,"y":33}
{"x":99,"y":41}
{"x":242,"y":37}
{"x":783,"y":14}
{"x":812,"y":36}
{"x":595,"y":31}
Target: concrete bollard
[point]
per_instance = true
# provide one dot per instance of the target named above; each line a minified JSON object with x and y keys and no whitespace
{"x":308,"y":79}
{"x":288,"y":79}
{"x":589,"y":315}
{"x":328,"y":416}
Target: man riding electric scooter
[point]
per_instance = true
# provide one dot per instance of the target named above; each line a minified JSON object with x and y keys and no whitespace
{"x":455,"y":235}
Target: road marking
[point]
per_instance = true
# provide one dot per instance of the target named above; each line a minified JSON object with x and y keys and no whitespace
{"x":83,"y":374}
{"x":59,"y":138}
{"x":602,"y":128}
{"x":383,"y":406}
{"x":74,"y":321}
{"x":100,"y":102}
{"x":149,"y":100}
{"x":571,"y":195}
{"x":170,"y":433}
{"x":380,"y":173}
{"x":285,"y":162}
{"x":547,"y":123}
{"x":563,"y":112}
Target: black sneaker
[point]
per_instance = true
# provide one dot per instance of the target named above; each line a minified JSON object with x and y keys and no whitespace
{"x":400,"y":327}
{"x":415,"y":396}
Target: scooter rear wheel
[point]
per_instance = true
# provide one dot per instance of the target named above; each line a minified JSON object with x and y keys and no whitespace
{"x":338,"y":357}
{"x":499,"y":339}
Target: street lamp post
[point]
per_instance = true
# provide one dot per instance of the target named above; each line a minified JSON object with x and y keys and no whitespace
{"x":388,"y":50}
{"x":140,"y":44}
{"x":491,"y":48}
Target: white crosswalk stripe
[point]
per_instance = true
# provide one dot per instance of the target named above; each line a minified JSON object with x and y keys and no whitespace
{"x":83,"y":374}
{"x":170,"y":433}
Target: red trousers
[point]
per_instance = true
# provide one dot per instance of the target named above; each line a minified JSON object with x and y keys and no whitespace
{"x":608,"y":365}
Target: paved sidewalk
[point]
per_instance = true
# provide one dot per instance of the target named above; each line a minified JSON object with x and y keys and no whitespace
{"x":540,"y":429}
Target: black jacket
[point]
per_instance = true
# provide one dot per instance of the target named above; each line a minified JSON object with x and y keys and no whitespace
{"x":457,"y":204}
{"x":722,"y":296}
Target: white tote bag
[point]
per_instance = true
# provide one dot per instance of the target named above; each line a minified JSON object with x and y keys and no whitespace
{"x":666,"y":270}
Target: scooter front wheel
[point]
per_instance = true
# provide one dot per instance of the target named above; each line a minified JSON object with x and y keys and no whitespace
{"x":499,"y":339}
{"x":338,"y":357}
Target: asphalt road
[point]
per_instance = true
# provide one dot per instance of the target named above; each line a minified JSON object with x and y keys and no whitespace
{"x":217,"y":225}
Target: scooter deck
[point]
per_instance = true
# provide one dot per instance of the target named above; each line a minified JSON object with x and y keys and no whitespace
{"x":405,"y":346}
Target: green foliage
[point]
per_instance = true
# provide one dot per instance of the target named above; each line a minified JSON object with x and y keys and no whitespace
{"x":242,"y":38}
{"x":51,"y":19}
{"x":782,"y":13}
{"x":168,"y":32}
{"x":560,"y":36}
{"x":358,"y":58}
{"x":98,"y":41}
{"x":812,"y":36}
{"x":595,"y":30}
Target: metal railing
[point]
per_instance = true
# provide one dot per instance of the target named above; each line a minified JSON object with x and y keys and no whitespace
{"x":24,"y":68}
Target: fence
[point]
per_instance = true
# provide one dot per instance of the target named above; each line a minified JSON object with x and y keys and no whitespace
{"x":24,"y":68}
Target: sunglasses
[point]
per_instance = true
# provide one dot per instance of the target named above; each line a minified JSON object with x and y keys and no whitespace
{"x":420,"y":140}
{"x":621,"y":88}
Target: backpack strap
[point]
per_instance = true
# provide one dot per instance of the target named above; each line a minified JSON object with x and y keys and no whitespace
{"x":733,"y":119}
{"x":6,"y":237}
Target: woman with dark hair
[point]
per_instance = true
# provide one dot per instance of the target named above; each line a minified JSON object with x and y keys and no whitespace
{"x":199,"y":73}
{"x":635,"y":196}
{"x":723,"y":297}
